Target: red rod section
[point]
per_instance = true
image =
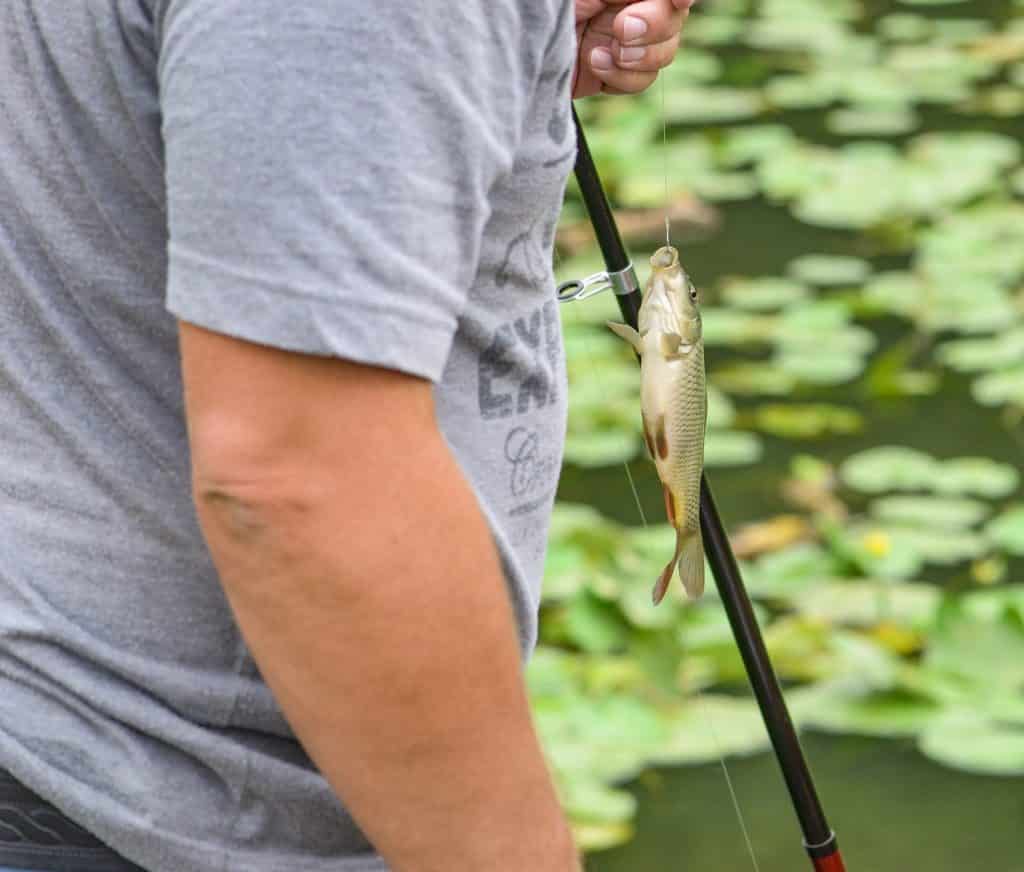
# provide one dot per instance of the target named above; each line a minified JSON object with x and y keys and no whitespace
{"x":832,"y":863}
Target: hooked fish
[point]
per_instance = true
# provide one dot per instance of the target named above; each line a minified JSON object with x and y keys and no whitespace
{"x":673,"y":405}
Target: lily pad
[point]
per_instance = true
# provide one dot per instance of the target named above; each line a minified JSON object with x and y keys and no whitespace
{"x":975,"y":744}
{"x":731,"y":448}
{"x":872,"y":121}
{"x":889,"y":713}
{"x":763,"y":294}
{"x":936,"y":512}
{"x":888,"y":467}
{"x":829,"y":269}
{"x":711,"y":104}
{"x":979,"y":476}
{"x":1007,"y":530}
{"x":806,"y":421}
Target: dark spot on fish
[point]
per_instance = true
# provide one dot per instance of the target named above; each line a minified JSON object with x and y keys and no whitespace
{"x":662,"y":439}
{"x":670,"y":506}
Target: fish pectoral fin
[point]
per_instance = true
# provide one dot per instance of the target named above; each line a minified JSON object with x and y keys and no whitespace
{"x":628,"y":333}
{"x":671,"y":346}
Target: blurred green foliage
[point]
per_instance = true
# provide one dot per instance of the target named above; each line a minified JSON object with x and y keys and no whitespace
{"x":887,"y":596}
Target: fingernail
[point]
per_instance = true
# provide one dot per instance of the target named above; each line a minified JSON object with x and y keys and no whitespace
{"x":631,"y":55}
{"x":601,"y":59}
{"x":633,"y":28}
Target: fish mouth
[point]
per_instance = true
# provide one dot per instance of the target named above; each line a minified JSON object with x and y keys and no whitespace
{"x":665,"y":257}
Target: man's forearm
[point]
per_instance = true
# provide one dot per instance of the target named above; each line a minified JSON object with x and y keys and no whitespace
{"x":378,"y":615}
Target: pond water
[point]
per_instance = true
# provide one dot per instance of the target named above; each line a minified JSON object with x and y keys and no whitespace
{"x":892,"y":810}
{"x":892,"y":807}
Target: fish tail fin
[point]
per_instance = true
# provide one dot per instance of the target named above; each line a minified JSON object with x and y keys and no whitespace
{"x":658,"y":594}
{"x":691,"y":564}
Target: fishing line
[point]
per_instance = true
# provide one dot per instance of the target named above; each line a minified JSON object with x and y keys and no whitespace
{"x":664,"y":157}
{"x":709,"y":725}
{"x":728,"y":782}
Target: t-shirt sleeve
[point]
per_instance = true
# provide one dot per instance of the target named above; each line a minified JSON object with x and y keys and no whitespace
{"x":328,"y":167}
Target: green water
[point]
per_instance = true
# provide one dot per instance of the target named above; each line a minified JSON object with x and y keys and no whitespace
{"x":892,"y":808}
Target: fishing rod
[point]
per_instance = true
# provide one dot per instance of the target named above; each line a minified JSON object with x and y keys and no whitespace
{"x":819,"y":839}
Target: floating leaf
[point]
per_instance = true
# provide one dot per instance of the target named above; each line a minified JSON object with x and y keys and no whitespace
{"x":806,"y":421}
{"x":730,"y":448}
{"x":601,"y":448}
{"x":980,"y":476}
{"x":1007,"y":530}
{"x":707,"y":104}
{"x":595,"y":625}
{"x":942,"y":512}
{"x":888,"y":713}
{"x":868,"y":603}
{"x":872,"y":121}
{"x":754,"y":378}
{"x":763,"y":294}
{"x":975,"y":744}
{"x":888,"y":467}
{"x":829,"y":269}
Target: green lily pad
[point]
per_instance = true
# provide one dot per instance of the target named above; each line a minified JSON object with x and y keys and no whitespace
{"x":729,"y":327}
{"x":904,"y":27}
{"x":726,"y":186}
{"x":872,"y":121}
{"x":763,"y":294}
{"x":888,"y":467}
{"x":806,"y":421}
{"x":975,"y":744}
{"x":867,"y":603}
{"x":751,"y":143}
{"x":978,"y":476}
{"x":711,"y":727}
{"x":1000,"y":388}
{"x":711,"y":104}
{"x":829,"y":269}
{"x":807,"y":91}
{"x":595,"y":625}
{"x":834,"y":368}
{"x":601,"y":448}
{"x":944,"y":547}
{"x":936,"y":512}
{"x":988,"y":652}
{"x":721,"y":412}
{"x":887,"y":713}
{"x":1007,"y":530}
{"x":731,"y":448}
{"x":878,"y":552}
{"x":980,"y":355}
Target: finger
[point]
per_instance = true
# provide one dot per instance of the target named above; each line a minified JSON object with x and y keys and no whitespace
{"x":614,"y":78}
{"x":645,"y":58}
{"x":648,"y":22}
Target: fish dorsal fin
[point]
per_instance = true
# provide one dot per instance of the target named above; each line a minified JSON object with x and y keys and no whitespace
{"x":628,"y":333}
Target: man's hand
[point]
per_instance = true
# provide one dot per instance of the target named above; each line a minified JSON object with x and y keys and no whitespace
{"x":621,"y":44}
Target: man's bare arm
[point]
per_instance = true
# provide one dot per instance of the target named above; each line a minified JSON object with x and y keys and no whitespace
{"x":366,"y":583}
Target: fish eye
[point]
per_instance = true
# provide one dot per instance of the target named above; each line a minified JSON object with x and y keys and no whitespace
{"x":693,"y":294}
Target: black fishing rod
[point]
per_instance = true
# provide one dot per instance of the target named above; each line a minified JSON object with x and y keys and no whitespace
{"x":819,"y":839}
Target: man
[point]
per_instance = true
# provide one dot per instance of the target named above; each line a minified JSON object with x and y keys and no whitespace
{"x":289,"y":261}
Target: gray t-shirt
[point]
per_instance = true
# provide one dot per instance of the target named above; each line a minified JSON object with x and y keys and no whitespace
{"x":374,"y":181}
